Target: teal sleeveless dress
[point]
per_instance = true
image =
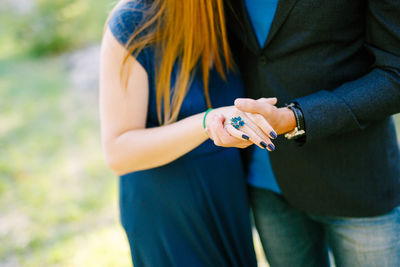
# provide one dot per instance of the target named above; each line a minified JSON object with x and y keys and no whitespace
{"x":193,"y":211}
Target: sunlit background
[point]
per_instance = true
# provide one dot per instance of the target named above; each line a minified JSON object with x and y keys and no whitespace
{"x":58,"y":200}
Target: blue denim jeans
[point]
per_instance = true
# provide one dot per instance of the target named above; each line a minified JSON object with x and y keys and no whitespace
{"x":294,"y":238}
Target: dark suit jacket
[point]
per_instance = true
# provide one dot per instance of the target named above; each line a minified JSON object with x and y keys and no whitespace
{"x":340,"y":60}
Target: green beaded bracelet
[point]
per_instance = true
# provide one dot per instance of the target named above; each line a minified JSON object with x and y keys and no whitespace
{"x":204,"y":118}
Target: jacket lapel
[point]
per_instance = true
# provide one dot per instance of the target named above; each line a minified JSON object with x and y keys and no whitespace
{"x":282,"y":11}
{"x":240,"y":25}
{"x":252,"y":41}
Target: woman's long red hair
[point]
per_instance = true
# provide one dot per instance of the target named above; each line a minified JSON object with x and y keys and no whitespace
{"x":188,"y":33}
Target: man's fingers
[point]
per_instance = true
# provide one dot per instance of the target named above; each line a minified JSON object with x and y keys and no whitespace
{"x":270,"y":100}
{"x":246,"y":104}
{"x":254,"y":106}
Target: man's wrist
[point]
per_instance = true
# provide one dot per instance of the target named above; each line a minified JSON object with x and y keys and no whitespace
{"x":290,"y":118}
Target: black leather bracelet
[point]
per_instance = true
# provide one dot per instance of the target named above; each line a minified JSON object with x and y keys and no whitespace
{"x":300,"y":123}
{"x":299,"y":116}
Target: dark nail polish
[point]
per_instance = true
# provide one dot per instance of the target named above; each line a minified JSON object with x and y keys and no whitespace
{"x":245,"y":137}
{"x":263,"y":144}
{"x":271,"y":147}
{"x":273,"y":135}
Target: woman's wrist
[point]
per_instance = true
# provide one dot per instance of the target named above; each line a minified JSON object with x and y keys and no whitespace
{"x":210,"y":116}
{"x":205,"y":117}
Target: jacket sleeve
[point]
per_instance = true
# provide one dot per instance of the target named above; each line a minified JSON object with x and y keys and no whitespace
{"x":374,"y":96}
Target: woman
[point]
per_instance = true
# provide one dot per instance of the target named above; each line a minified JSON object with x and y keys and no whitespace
{"x":182,"y":199}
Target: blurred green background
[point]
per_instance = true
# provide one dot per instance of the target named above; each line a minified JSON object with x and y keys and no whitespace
{"x":58,"y":200}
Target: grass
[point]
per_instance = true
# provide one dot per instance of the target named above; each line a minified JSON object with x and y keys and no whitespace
{"x":58,"y":204}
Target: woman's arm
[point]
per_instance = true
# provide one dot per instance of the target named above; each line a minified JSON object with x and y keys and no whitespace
{"x":128,"y":146}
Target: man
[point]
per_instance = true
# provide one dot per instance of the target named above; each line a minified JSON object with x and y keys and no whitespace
{"x":336,"y":63}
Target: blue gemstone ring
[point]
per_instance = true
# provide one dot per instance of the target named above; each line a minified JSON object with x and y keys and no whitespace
{"x":237,"y":122}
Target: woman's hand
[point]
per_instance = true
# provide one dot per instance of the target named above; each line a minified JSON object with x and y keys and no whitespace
{"x":223,"y":133}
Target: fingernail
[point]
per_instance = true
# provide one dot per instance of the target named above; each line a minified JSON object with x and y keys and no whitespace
{"x":245,"y":137}
{"x":263,"y":144}
{"x":271,"y":147}
{"x":273,"y":134}
{"x":238,"y":102}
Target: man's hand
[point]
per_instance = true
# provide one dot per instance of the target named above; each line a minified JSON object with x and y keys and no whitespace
{"x":281,"y":119}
